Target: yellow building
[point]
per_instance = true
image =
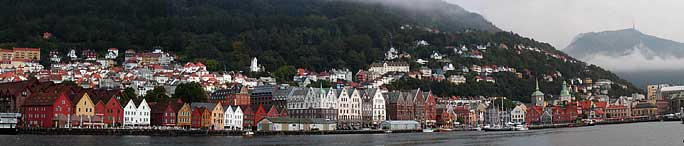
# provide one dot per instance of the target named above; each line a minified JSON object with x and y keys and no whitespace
{"x":26,"y":53}
{"x":84,"y":106}
{"x":217,"y":117}
{"x":6,"y":54}
{"x":184,"y":116}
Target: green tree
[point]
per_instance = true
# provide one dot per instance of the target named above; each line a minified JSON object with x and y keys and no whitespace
{"x":129,"y":93}
{"x":321,"y":83}
{"x":156,"y":95}
{"x":190,"y":92}
{"x":284,"y":74}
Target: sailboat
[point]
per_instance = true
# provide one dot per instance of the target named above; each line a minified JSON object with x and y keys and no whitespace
{"x":501,"y":126}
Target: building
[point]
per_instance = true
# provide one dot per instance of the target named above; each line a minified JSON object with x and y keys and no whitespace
{"x":644,"y":110}
{"x":518,"y":114}
{"x":533,"y":115}
{"x":165,"y":113}
{"x":385,"y":67}
{"x":26,"y":53}
{"x":565,"y":94}
{"x":137,"y":114}
{"x":538,"y":97}
{"x":233,"y":118}
{"x":313,"y":103}
{"x":618,"y":112}
{"x":430,"y":108}
{"x":349,"y":108}
{"x":254,"y":66}
{"x":400,"y":125}
{"x":84,"y":108}
{"x":184,"y":116}
{"x":47,"y":110}
{"x":212,"y":115}
{"x":373,"y":107}
{"x":236,"y":95}
{"x":201,"y":117}
{"x":295,"y":124}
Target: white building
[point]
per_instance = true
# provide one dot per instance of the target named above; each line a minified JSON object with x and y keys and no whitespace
{"x":254,"y":66}
{"x":385,"y":67}
{"x":392,"y":54}
{"x":518,"y":114}
{"x":112,"y":53}
{"x":378,"y":109}
{"x":233,"y":118}
{"x":336,"y":74}
{"x":137,"y":115}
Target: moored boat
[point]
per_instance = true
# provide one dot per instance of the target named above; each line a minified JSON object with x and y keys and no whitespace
{"x":428,"y":130}
{"x":8,"y":123}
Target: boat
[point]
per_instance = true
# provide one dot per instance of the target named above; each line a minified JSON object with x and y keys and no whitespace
{"x":520,"y":127}
{"x":477,"y":129}
{"x":428,"y":130}
{"x":497,"y":128}
{"x":248,"y":134}
{"x":8,"y":123}
{"x":445,"y":130}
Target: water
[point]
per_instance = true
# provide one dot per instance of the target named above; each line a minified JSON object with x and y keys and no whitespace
{"x":637,"y":134}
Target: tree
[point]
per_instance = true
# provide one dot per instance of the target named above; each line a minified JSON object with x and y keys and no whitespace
{"x":156,"y":95}
{"x":321,"y":83}
{"x":190,"y":92}
{"x":284,"y":74}
{"x":129,"y":93}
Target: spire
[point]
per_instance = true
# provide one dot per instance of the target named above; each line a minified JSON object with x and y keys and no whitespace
{"x":537,"y":84}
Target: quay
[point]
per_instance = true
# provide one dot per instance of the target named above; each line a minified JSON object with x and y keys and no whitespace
{"x":184,"y":132}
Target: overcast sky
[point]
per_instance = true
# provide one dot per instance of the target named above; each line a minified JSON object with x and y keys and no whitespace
{"x":558,"y":21}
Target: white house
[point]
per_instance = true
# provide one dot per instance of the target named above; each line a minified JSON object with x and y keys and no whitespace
{"x":378,"y":100}
{"x":137,"y":115}
{"x":518,"y":114}
{"x":233,"y":118}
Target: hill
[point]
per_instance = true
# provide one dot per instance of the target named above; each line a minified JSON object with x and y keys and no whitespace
{"x":280,"y":32}
{"x":313,"y":34}
{"x":640,"y":57}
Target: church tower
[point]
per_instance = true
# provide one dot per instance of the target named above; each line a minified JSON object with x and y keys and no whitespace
{"x":565,"y":94}
{"x":537,"y":96}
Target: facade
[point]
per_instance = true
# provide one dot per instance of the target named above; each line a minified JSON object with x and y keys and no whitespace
{"x":618,"y":112}
{"x":518,"y":114}
{"x":84,"y":108}
{"x":538,"y":97}
{"x":430,"y":108}
{"x":165,"y":113}
{"x":184,"y":116}
{"x":26,"y":53}
{"x":295,"y":124}
{"x":533,"y":115}
{"x":373,"y":107}
{"x":313,"y":103}
{"x":233,"y":118}
{"x":47,"y":110}
{"x":349,"y":108}
{"x":565,"y":94}
{"x":644,"y":109}
{"x":385,"y":67}
{"x":212,"y":115}
{"x":236,"y":95}
{"x":137,"y":115}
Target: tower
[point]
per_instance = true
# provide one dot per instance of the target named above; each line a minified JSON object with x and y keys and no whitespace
{"x":537,"y":96}
{"x":565,"y":94}
{"x":254,"y":67}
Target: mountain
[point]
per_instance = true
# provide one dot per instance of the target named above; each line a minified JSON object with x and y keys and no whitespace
{"x":623,"y":43}
{"x":279,"y":32}
{"x":314,"y":34}
{"x":640,"y":57}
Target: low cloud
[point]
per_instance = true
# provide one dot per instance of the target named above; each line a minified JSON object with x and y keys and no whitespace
{"x":635,"y":61}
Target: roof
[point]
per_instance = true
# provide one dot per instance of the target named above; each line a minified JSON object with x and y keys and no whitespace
{"x":402,"y":122}
{"x":645,"y":105}
{"x":203,"y":105}
{"x":299,"y":120}
{"x":43,"y":99}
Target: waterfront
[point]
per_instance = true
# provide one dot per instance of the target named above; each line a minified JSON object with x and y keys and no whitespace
{"x":649,"y":133}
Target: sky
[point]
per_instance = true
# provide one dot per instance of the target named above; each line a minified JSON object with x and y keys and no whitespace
{"x":558,"y":21}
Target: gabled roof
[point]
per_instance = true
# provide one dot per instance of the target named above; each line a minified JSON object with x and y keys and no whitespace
{"x":203,"y":105}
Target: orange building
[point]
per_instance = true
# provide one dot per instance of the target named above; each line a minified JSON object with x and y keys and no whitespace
{"x":26,"y":53}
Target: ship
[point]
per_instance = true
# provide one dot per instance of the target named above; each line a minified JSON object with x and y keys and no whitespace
{"x":9,"y":122}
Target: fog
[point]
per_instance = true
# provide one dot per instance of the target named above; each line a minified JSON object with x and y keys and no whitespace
{"x":636,"y":61}
{"x":558,"y":21}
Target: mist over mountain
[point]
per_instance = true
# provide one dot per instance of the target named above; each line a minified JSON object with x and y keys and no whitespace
{"x":639,"y":57}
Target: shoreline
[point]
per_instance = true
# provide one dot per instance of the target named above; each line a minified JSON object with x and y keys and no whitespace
{"x":184,"y":132}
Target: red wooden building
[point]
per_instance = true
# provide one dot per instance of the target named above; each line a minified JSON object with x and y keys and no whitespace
{"x":47,"y":110}
{"x":165,"y":113}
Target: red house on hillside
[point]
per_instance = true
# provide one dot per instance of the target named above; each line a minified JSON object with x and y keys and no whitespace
{"x":47,"y":110}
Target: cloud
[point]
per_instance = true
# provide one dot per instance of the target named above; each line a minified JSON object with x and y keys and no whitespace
{"x":636,"y":61}
{"x":558,"y":21}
